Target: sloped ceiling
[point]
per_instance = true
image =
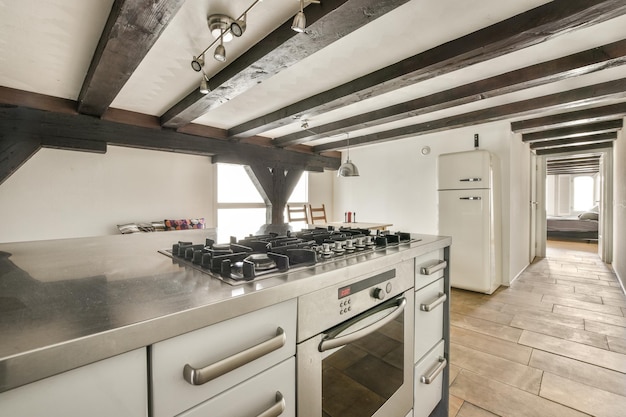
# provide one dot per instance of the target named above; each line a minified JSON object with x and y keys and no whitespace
{"x":373,"y":70}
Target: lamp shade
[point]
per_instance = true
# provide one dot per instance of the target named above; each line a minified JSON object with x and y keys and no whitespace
{"x":299,"y":22}
{"x":348,"y":169}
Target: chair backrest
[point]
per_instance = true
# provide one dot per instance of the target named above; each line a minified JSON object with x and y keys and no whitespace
{"x":297,"y":214}
{"x":318,"y":213}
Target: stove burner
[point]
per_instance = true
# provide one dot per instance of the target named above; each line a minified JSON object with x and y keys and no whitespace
{"x":262,"y":256}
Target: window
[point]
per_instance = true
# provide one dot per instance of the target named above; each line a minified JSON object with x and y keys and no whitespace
{"x":582,"y":193}
{"x":240,"y":208}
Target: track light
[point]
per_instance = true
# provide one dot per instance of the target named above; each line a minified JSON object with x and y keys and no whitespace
{"x":204,"y":85}
{"x":197,"y":63}
{"x":299,"y":22}
{"x":238,"y":27}
{"x":220,"y":51}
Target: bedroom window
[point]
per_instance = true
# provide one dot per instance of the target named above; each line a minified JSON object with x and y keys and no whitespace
{"x":582,"y":193}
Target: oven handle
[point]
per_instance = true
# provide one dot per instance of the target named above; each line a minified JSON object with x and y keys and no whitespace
{"x":277,"y":409}
{"x":335,"y":342}
{"x":199,"y":376}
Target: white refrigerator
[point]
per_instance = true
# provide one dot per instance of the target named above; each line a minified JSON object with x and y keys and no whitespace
{"x":469,"y":211}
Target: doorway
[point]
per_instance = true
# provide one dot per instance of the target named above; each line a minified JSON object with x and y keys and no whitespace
{"x":557,"y":172}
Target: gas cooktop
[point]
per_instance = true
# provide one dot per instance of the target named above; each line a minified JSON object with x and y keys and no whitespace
{"x":262,"y":256}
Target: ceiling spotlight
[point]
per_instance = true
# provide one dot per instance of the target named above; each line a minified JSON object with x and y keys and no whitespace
{"x":220,"y":51}
{"x":299,"y":22}
{"x":219,"y":24}
{"x":197,"y":63}
{"x":204,"y":85}
{"x":238,"y":27}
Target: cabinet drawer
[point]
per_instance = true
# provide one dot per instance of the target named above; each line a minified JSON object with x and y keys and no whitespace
{"x":428,"y":381}
{"x":274,"y":387}
{"x":111,"y":387}
{"x":172,"y":394}
{"x":428,"y":268}
{"x":428,"y":324}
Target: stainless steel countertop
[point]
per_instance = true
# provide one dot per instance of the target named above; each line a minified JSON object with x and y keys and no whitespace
{"x":67,"y":303}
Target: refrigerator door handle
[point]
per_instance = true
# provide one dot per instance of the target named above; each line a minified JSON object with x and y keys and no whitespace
{"x":469,"y":198}
{"x":470,"y":179}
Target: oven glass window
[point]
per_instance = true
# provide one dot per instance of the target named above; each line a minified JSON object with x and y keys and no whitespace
{"x":360,"y":377}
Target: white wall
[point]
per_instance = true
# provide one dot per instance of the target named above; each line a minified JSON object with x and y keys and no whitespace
{"x":321,"y":188}
{"x":61,"y":194}
{"x":399,"y":185}
{"x":619,"y":207}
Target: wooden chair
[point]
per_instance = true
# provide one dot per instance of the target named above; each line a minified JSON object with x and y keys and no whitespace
{"x":318,"y":213}
{"x":297,"y":214}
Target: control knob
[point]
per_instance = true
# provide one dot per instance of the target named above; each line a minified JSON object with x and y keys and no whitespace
{"x":378,"y":293}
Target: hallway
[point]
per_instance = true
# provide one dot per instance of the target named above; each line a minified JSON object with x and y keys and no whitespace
{"x":553,"y":344}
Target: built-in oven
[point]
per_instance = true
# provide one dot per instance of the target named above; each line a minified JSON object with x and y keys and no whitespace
{"x":355,"y":347}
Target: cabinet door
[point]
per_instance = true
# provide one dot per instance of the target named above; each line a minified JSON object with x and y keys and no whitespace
{"x":112,"y":387}
{"x":428,"y":378}
{"x":428,"y":324}
{"x":273,"y":389}
{"x":212,"y":345}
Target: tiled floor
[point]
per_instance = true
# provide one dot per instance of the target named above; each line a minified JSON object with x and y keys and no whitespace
{"x":553,"y":344}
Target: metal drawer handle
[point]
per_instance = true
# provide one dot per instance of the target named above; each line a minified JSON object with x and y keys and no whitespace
{"x":470,"y":198}
{"x":429,"y":270}
{"x":429,"y":307}
{"x":277,"y":409}
{"x":199,"y":376}
{"x":470,"y":179}
{"x":435,"y":373}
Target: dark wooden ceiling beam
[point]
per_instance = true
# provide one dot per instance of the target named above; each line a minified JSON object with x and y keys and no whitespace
{"x":14,"y":152}
{"x":595,"y":159}
{"x":27,"y":124}
{"x":573,"y":131}
{"x":526,"y":29}
{"x":132,"y":28}
{"x":572,"y":118}
{"x":596,"y":93}
{"x":577,"y":149}
{"x":585,"y":62}
{"x":327,"y":22}
{"x":579,"y":140}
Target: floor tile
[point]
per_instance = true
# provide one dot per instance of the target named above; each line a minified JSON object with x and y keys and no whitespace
{"x":617,"y":344}
{"x":489,"y":344}
{"x":589,"y":354}
{"x":591,"y":315}
{"x":582,"y":372}
{"x":481,"y":313}
{"x":583,"y":397}
{"x":614,"y":302}
{"x":455,"y":406}
{"x":560,"y":319}
{"x":563,"y":332}
{"x":496,"y":368}
{"x":454,"y":371}
{"x":470,"y":410}
{"x":583,"y":305}
{"x":486,"y":327}
{"x":606,"y":329}
{"x":508,"y":298}
{"x":505,"y":400}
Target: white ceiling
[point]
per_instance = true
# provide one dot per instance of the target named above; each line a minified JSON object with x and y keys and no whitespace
{"x":46,"y":47}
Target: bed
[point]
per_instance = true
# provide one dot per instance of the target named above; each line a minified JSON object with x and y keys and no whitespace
{"x":581,"y":227}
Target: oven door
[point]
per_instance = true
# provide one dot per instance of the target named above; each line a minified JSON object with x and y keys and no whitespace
{"x":362,"y":367}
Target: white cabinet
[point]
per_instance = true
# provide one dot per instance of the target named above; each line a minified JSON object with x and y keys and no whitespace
{"x":428,"y":381}
{"x":192,"y":368}
{"x":271,"y":390}
{"x":112,"y":387}
{"x":431,"y":298}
